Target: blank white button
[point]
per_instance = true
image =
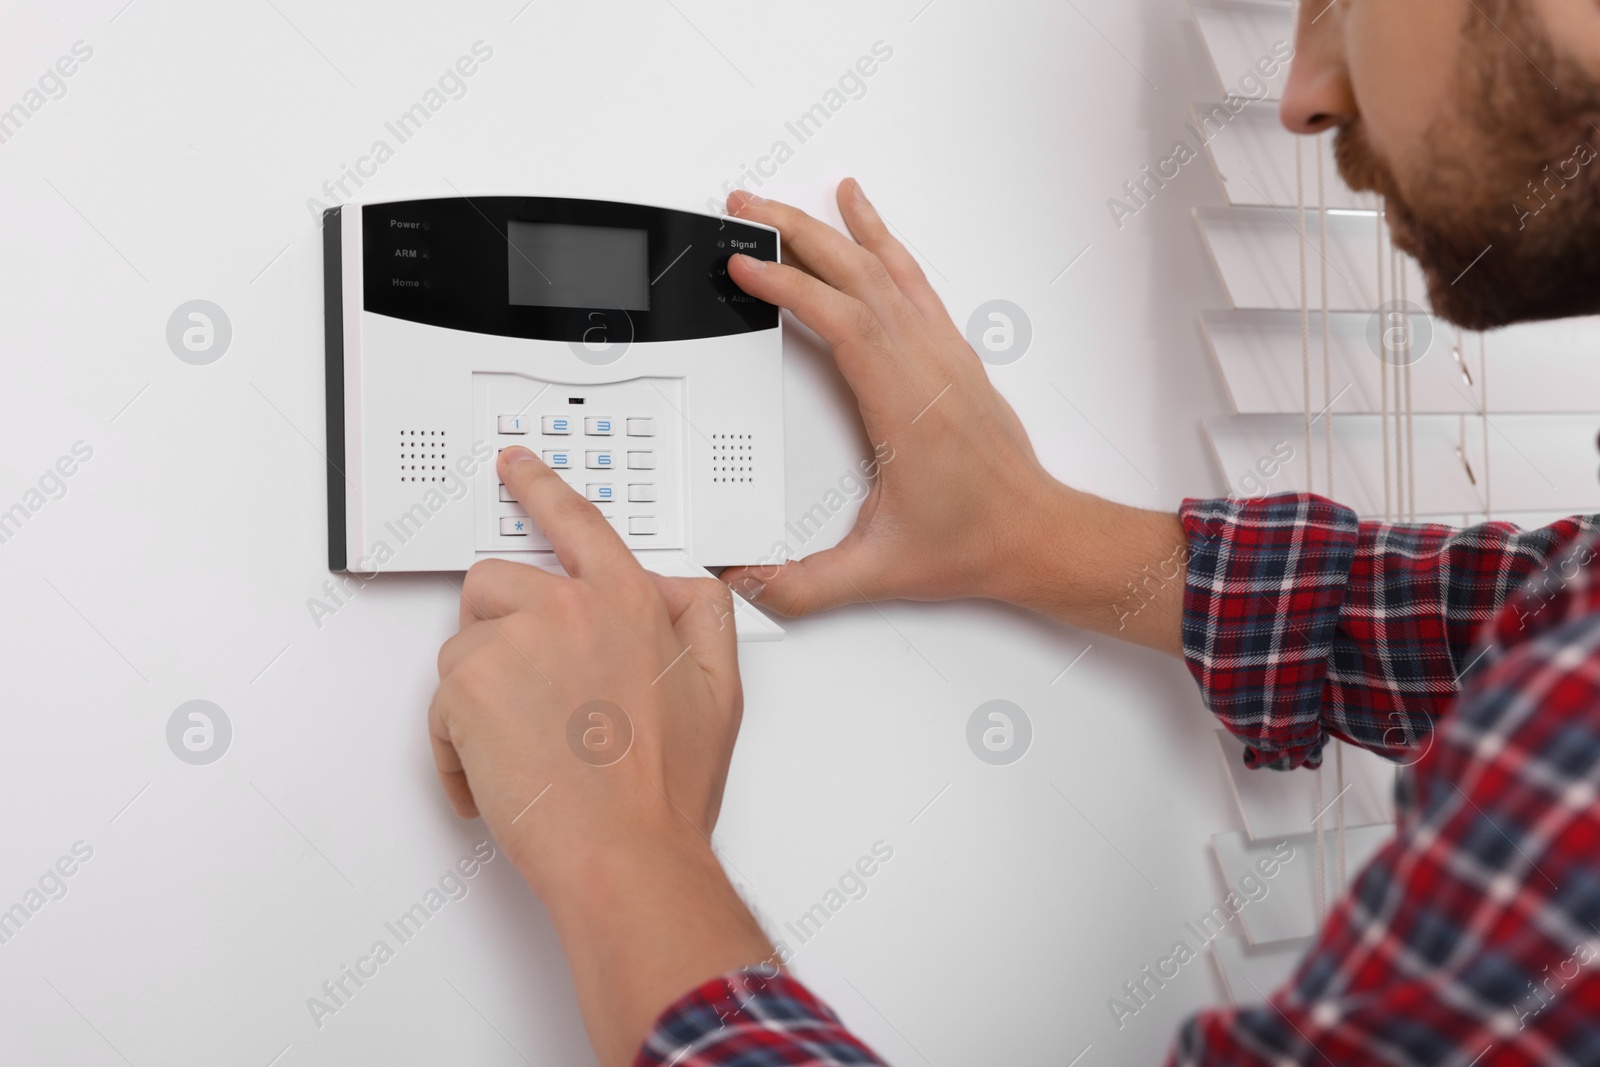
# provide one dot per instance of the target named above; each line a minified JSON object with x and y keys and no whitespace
{"x":601,"y":427}
{"x":556,"y":424}
{"x":601,"y":491}
{"x":506,"y":495}
{"x":514,"y":423}
{"x":641,"y":427}
{"x":641,"y":524}
{"x":641,"y":461}
{"x":558,"y":460}
{"x":600,"y":461}
{"x":642,"y":494}
{"x":514,"y":526}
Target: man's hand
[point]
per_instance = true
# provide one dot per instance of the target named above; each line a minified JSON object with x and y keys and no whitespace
{"x":960,"y":506}
{"x":590,"y":720}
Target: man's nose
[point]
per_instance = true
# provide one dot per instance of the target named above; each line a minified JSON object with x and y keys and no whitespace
{"x":1318,"y":95}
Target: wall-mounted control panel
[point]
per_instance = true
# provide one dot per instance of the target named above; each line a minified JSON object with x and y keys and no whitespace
{"x":605,"y":337}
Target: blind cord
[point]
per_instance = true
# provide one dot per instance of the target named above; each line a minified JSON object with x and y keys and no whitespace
{"x":1383,"y":368}
{"x":1327,"y":439}
{"x":1396,"y":301}
{"x":1344,"y":853}
{"x":1327,"y":344}
{"x":1483,"y":407}
{"x":1305,"y":306}
{"x":1411,"y":425}
{"x":1310,"y":468}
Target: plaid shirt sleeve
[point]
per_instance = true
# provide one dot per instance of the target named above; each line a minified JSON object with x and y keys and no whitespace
{"x":1299,"y":621}
{"x":746,"y":1019}
{"x":1473,"y":937}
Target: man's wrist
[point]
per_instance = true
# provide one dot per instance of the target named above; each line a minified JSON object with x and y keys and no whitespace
{"x":593,"y":873}
{"x":1107,"y":567}
{"x":1039,"y":565}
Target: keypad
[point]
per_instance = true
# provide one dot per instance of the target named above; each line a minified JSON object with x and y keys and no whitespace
{"x":557,"y":430}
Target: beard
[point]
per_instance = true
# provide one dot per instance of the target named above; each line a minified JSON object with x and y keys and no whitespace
{"x":1501,"y":202}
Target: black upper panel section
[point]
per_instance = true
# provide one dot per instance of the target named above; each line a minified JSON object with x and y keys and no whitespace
{"x":444,"y":262}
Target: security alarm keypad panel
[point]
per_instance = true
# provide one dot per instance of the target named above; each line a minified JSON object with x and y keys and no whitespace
{"x":619,"y":445}
{"x":607,"y":338}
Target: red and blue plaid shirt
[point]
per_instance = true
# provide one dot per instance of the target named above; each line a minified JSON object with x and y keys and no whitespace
{"x":1471,"y":656}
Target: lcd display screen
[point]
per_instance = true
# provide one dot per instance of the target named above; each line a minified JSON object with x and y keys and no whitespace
{"x":563,"y":266}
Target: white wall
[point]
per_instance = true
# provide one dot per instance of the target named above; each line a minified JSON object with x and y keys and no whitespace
{"x":181,"y":559}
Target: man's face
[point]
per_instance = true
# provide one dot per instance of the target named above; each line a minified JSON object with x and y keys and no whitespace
{"x":1480,"y":132}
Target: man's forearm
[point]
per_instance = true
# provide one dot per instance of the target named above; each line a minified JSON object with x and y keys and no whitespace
{"x":1106,"y":567}
{"x":644,"y":924}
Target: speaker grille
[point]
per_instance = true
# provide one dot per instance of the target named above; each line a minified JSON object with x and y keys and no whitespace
{"x":423,"y":457}
{"x":733,"y":458}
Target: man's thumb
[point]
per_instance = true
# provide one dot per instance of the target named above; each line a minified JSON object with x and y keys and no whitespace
{"x":818,"y":582}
